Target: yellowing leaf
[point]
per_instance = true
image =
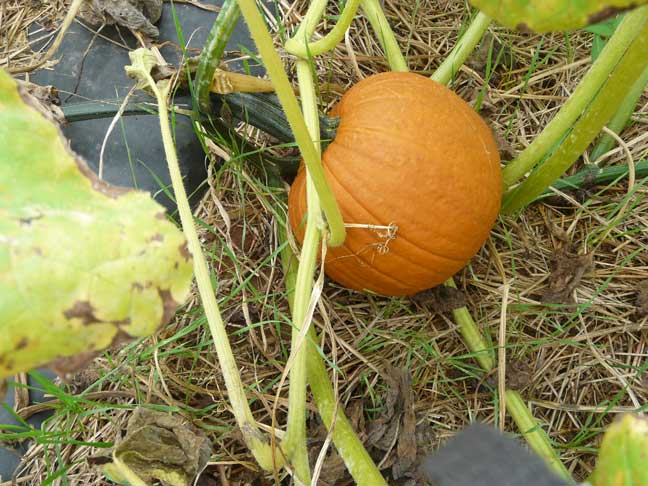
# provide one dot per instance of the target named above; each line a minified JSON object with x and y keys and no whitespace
{"x":83,"y":264}
{"x":552,"y":15}
{"x":159,"y":446}
{"x":623,"y":457}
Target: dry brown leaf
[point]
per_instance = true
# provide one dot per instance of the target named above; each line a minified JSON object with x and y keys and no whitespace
{"x":138,"y":15}
{"x":567,"y":273}
{"x":441,"y":299}
{"x":642,"y":299}
{"x":397,"y":426}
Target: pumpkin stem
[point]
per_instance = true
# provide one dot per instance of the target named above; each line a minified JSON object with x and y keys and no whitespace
{"x":305,"y":297}
{"x":360,"y":465}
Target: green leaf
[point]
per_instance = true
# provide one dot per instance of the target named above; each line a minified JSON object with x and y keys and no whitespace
{"x":552,"y":15}
{"x":602,"y":32}
{"x":623,"y":456}
{"x":83,"y":264}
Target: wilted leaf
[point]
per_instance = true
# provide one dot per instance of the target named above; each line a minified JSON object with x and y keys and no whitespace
{"x":137,"y":15}
{"x":397,"y":424}
{"x":623,"y":455}
{"x":82,"y":264}
{"x":566,"y":275}
{"x":552,"y":15}
{"x":642,"y":299}
{"x":441,"y":298}
{"x":159,"y":446}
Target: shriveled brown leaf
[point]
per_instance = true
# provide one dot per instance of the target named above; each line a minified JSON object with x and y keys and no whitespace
{"x":139,"y":15}
{"x":441,"y":298}
{"x":642,"y":299}
{"x":397,"y":425}
{"x":382,"y":431}
{"x":333,"y":469}
{"x":519,"y":375}
{"x":567,"y":273}
{"x":406,"y":446}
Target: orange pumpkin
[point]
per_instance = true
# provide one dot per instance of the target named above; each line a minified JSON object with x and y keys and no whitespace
{"x":416,"y":173}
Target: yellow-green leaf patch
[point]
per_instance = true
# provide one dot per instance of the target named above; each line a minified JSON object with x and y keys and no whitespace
{"x":552,"y":15}
{"x":83,"y":264}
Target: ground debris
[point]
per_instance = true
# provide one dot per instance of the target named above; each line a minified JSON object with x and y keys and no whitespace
{"x":139,"y":15}
{"x":519,"y":375}
{"x":441,"y":299}
{"x":396,"y":428}
{"x":567,"y":272}
{"x":641,"y":300}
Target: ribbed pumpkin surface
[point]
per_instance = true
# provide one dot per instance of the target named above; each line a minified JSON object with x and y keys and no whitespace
{"x":410,"y":154}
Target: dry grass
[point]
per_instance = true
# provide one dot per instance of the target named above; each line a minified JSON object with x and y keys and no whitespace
{"x":577,"y":364}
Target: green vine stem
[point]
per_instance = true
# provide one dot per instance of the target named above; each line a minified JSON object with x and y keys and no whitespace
{"x":302,"y":48}
{"x":621,"y":117}
{"x":472,"y":335}
{"x":587,"y":89}
{"x":295,"y":441}
{"x":536,"y":437}
{"x":309,"y":23}
{"x":453,"y":62}
{"x":376,"y":16}
{"x":588,"y":126}
{"x":272,"y":63}
{"x":142,"y":62}
{"x":357,"y":460}
{"x":212,"y":53}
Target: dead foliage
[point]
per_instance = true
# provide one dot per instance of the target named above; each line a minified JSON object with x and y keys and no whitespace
{"x":567,"y":271}
{"x":441,"y":299}
{"x":642,"y":299}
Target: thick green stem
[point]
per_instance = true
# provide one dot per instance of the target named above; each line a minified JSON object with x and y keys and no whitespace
{"x":588,"y":88}
{"x":534,"y":435}
{"x":450,"y":66}
{"x":378,"y":21}
{"x":628,"y":70}
{"x":288,"y":100}
{"x":357,"y":460}
{"x":236,"y":393}
{"x":621,"y":117}
{"x":472,"y":335}
{"x":309,"y":23}
{"x":303,"y":48}
{"x":212,"y":53}
{"x":295,"y":440}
